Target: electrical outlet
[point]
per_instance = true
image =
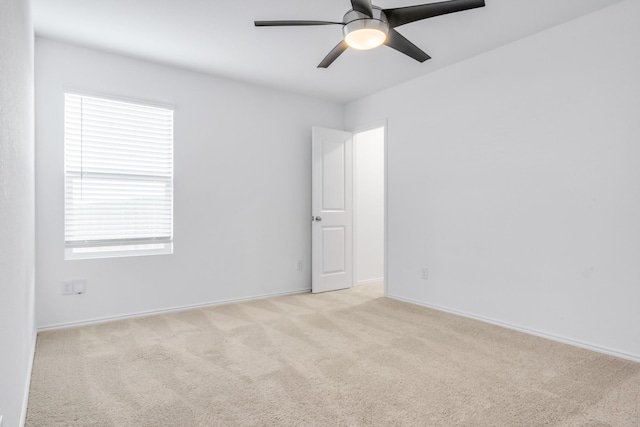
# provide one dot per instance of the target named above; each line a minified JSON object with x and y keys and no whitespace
{"x":79,"y":286}
{"x":425,"y":273}
{"x":299,"y":265}
{"x":67,"y":287}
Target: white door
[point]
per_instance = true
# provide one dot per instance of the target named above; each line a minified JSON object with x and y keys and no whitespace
{"x":331,"y":210}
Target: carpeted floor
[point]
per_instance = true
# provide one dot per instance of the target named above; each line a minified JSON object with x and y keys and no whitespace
{"x":341,"y":358}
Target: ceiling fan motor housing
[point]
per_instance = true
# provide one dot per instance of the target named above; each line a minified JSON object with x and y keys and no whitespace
{"x":354,"y":21}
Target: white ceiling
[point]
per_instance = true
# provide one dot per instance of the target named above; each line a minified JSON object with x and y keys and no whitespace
{"x":218,"y":37}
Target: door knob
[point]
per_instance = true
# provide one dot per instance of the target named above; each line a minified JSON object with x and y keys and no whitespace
{"x":318,"y":218}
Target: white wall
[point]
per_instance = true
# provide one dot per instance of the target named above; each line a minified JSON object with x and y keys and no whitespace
{"x":515,"y":177}
{"x":242,"y":189}
{"x":369,"y":203}
{"x":17,"y":249}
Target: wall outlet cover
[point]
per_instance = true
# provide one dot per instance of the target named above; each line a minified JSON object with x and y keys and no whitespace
{"x":67,"y":287}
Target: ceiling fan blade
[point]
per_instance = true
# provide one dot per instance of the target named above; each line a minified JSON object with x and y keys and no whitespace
{"x":333,"y":55}
{"x":404,"y":15}
{"x":401,"y":44}
{"x":363,"y":6}
{"x":293,"y":23}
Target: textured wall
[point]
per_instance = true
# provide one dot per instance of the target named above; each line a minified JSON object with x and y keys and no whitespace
{"x":515,"y":178}
{"x":16,"y":207}
{"x":242,"y":189}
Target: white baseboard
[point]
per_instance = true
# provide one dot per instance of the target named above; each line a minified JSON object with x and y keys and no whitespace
{"x":564,"y":340}
{"x":166,"y":310}
{"x":27,"y":386}
{"x":364,"y":282}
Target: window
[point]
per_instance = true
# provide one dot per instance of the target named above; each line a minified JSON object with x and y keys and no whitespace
{"x":118,"y":178}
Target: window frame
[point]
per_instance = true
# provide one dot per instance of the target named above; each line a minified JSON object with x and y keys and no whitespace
{"x":120,"y":247}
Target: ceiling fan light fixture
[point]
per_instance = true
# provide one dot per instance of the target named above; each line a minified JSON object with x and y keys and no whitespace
{"x":365,"y":39}
{"x":365,"y":34}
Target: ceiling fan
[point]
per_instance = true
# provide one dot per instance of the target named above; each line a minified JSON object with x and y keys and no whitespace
{"x":367,"y":26}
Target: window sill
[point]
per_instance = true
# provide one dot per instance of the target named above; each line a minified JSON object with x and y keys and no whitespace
{"x":95,"y":252}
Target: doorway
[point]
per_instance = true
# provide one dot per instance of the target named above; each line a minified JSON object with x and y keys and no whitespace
{"x":369,"y":206}
{"x":348,"y":206}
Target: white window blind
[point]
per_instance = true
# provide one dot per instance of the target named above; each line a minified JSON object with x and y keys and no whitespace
{"x":118,"y":178}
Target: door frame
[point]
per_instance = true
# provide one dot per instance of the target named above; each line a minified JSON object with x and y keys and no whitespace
{"x":375,"y":125}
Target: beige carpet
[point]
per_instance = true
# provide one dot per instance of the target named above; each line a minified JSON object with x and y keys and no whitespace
{"x":341,"y":358}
